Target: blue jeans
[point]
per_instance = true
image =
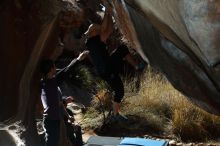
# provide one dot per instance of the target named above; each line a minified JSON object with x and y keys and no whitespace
{"x":52,"y":132}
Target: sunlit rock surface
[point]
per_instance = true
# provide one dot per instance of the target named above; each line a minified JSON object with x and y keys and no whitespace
{"x":181,"y":38}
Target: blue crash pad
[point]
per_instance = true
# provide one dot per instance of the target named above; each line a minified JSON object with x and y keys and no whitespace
{"x":142,"y":142}
{"x":119,"y":141}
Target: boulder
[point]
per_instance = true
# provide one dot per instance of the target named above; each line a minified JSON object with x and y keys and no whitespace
{"x":179,"y":38}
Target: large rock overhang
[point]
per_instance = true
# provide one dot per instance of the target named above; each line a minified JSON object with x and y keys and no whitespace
{"x":172,"y":36}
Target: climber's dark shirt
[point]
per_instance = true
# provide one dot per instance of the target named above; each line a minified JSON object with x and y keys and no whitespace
{"x":99,"y":55}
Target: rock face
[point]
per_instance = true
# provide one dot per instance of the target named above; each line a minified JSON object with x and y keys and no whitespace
{"x":28,"y":28}
{"x":180,"y":38}
{"x":29,"y":33}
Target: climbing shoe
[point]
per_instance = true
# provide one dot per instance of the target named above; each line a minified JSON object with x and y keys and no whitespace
{"x":118,"y":118}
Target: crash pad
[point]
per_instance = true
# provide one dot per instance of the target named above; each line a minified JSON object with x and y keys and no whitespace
{"x":123,"y":141}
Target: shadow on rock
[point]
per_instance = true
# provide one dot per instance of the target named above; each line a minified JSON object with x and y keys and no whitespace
{"x":6,"y":139}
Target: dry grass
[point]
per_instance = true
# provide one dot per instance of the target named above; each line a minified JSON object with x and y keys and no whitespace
{"x":160,"y":109}
{"x":170,"y":111}
{"x":103,"y":98}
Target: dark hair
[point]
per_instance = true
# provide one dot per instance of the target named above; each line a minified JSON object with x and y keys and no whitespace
{"x":46,"y":66}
